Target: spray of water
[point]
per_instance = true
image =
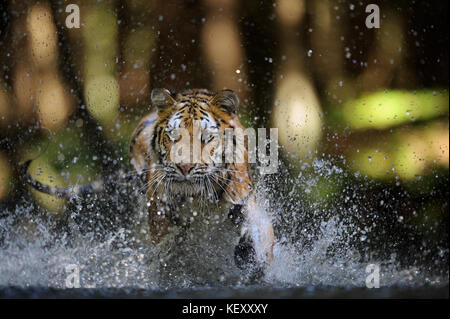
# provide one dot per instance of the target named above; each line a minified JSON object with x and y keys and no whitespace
{"x":318,"y":243}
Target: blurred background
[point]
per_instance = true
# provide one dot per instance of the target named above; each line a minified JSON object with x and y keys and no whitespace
{"x":372,"y":102}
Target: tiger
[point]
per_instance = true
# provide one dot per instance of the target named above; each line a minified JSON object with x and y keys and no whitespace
{"x":208,"y":190}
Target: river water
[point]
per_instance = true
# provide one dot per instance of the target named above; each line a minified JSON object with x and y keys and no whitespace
{"x":323,"y":250}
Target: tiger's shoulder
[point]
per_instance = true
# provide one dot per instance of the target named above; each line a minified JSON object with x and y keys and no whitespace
{"x":139,"y":141}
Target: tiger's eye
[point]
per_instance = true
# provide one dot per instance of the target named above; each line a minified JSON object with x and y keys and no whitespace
{"x":173,"y":134}
{"x":207,"y":136}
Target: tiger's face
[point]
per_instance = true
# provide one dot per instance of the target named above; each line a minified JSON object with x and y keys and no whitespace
{"x":189,"y":140}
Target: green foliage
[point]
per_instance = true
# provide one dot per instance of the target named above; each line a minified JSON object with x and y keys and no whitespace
{"x":382,"y":110}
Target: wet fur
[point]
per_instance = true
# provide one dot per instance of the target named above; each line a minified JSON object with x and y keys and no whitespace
{"x":170,"y":204}
{"x":221,"y":193}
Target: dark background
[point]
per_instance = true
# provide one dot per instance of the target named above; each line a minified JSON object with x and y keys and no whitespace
{"x":373,"y":102}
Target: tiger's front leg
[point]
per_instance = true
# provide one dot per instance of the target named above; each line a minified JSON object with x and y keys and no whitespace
{"x":254,"y":251}
{"x":159,"y":224}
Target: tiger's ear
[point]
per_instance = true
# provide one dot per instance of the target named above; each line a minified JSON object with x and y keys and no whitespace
{"x":227,"y":100}
{"x":161,"y":98}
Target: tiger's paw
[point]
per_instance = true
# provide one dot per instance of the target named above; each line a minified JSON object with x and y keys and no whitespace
{"x":246,"y":260}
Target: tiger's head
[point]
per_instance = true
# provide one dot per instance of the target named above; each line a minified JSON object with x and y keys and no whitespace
{"x":189,"y":142}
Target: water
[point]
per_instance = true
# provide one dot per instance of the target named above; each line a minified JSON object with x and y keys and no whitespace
{"x":323,"y":249}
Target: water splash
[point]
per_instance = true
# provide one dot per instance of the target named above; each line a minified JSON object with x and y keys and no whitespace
{"x":319,"y":244}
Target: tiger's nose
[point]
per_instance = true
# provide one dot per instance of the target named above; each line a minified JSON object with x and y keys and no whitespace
{"x":185,"y":168}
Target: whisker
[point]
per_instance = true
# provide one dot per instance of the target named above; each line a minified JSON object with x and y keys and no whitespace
{"x":157,"y":185}
{"x":221,"y":186}
{"x":216,"y":196}
{"x":151,"y":181}
{"x":135,"y":173}
{"x":226,"y":169}
{"x":223,"y":178}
